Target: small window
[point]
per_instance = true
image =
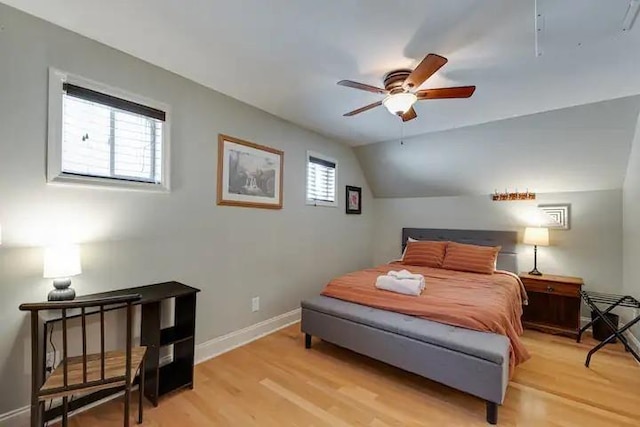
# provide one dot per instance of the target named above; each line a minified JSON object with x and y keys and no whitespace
{"x":321,"y":180}
{"x":103,"y":136}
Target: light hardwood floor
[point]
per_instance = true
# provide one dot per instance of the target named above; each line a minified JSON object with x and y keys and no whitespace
{"x":276,"y":382}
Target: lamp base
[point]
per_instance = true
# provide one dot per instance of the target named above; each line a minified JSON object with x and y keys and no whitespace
{"x":535,"y":272}
{"x":62,"y":291}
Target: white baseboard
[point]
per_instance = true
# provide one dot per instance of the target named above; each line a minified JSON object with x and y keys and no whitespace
{"x":228,"y":342}
{"x":205,"y":351}
{"x":16,"y":418}
{"x":584,"y":321}
{"x":633,"y":340}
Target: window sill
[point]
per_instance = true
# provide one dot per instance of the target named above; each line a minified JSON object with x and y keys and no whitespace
{"x":106,"y":183}
{"x":322,"y":204}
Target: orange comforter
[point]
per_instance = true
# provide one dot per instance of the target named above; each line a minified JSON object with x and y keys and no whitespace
{"x":482,"y":302}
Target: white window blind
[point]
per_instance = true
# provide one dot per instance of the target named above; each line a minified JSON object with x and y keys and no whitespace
{"x":109,"y":137}
{"x":321,"y":180}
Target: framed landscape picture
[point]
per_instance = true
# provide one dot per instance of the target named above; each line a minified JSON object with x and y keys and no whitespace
{"x":354,"y":200}
{"x":249,"y":174}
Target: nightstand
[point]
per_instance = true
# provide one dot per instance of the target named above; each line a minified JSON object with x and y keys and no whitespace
{"x":554,"y":304}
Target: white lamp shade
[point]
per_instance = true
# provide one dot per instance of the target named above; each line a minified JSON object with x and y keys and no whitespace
{"x":61,"y":261}
{"x":400,"y":102}
{"x":538,"y":236}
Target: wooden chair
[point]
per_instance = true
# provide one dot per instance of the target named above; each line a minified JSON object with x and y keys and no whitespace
{"x":92,"y":372}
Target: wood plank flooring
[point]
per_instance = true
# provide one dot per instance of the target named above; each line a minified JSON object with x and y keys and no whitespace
{"x":276,"y":382}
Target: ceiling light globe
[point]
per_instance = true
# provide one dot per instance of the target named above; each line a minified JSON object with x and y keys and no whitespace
{"x":399,"y":103}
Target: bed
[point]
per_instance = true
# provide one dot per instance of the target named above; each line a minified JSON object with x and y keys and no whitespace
{"x":468,"y":360}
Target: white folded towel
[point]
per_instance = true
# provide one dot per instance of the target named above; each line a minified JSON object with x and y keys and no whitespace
{"x":401,"y":286}
{"x":405,"y":274}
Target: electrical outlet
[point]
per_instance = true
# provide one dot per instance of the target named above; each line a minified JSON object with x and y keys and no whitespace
{"x":255,"y":304}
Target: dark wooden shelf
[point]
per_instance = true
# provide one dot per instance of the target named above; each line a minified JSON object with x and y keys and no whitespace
{"x":175,"y":334}
{"x":161,"y":380}
{"x":175,"y":376}
{"x":148,"y":294}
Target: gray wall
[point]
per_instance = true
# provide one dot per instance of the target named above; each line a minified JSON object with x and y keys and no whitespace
{"x":631,"y":224}
{"x":631,"y":219}
{"x":581,"y":148}
{"x":591,"y":249}
{"x":135,"y":238}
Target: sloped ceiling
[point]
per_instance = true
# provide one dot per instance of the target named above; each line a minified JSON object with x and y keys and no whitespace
{"x":562,"y":120}
{"x":572,"y":149}
{"x":285,"y":56}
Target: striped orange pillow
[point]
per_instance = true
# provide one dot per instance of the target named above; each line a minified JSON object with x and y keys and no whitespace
{"x":472,"y":258}
{"x":425,"y":253}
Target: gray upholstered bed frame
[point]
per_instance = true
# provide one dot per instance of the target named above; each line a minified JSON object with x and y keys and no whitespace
{"x":507,"y":258}
{"x":471,"y":361}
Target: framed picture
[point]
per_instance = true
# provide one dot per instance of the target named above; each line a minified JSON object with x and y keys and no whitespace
{"x":354,"y":200}
{"x":557,"y":216}
{"x":249,"y":174}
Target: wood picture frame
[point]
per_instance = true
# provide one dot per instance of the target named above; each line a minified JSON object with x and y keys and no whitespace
{"x":353,"y":204}
{"x":249,"y":175}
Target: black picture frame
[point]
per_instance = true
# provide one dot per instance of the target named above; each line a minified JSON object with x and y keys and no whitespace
{"x":355,"y":192}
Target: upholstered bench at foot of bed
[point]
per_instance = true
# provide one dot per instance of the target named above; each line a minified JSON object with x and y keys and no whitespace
{"x":470,"y":361}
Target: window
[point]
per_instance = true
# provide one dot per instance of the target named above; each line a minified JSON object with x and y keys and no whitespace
{"x":321,"y":180}
{"x":101,"y":135}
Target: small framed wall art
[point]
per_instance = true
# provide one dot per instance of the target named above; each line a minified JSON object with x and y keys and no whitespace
{"x":354,"y":200}
{"x":249,"y":174}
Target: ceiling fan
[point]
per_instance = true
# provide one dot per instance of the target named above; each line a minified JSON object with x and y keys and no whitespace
{"x":400,"y":87}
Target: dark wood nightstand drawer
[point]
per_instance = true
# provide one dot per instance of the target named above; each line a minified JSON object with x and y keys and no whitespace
{"x":554,"y":303}
{"x":552,"y":288}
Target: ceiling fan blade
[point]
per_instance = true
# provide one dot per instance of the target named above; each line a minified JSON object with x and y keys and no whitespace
{"x":429,"y":65}
{"x":363,"y":109}
{"x":362,"y":86}
{"x":409,"y":115}
{"x":446,"y":92}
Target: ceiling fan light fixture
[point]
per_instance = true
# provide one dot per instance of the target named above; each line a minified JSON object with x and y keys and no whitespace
{"x":399,"y":103}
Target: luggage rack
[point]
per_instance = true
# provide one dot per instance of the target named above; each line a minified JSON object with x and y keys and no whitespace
{"x":593,"y":299}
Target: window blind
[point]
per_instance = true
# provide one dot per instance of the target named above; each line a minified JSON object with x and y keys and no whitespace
{"x":321,"y":180}
{"x":112,"y":101}
{"x":108,"y":137}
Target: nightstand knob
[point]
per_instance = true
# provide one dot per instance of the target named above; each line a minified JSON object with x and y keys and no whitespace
{"x":550,"y":288}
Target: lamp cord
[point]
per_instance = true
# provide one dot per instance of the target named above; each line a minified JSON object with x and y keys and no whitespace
{"x":53,"y":365}
{"x":53,"y":346}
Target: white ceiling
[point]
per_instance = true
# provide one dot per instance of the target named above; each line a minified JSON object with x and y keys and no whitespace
{"x":285,"y":56}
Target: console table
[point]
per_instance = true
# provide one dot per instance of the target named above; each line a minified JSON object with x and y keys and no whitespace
{"x":159,"y":380}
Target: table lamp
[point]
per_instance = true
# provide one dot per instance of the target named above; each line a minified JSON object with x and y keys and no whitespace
{"x":536,"y":236}
{"x":60,"y":263}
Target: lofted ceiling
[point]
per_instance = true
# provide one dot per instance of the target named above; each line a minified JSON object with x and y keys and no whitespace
{"x":285,"y":56}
